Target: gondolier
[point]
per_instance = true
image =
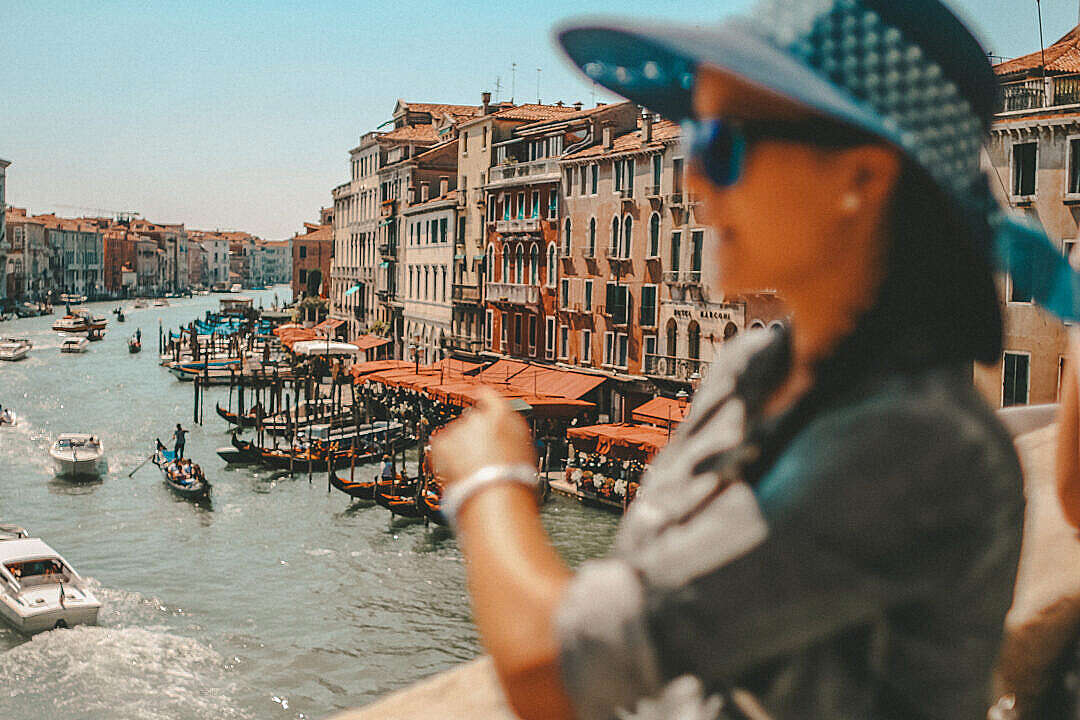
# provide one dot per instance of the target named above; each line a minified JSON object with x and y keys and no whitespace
{"x":179,"y":437}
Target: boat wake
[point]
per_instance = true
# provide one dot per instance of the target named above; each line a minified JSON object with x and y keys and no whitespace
{"x":117,"y":670}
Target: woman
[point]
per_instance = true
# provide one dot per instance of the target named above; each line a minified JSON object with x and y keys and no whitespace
{"x":836,"y":525}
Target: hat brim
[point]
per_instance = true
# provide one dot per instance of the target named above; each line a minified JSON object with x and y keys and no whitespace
{"x":655,"y":66}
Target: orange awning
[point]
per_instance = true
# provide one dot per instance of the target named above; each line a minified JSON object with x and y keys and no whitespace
{"x":328,"y":325}
{"x":368,"y":342}
{"x":541,"y":380}
{"x":661,"y":410}
{"x":360,"y":370}
{"x":619,"y":440}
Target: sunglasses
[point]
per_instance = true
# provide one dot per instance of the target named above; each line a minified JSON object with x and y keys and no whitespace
{"x":719,"y":146}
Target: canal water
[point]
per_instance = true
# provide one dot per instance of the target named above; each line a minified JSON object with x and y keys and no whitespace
{"x":278,"y":600}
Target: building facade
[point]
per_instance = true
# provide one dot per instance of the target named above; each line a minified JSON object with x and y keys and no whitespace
{"x":428,"y":259}
{"x":5,"y":243}
{"x":311,"y":251}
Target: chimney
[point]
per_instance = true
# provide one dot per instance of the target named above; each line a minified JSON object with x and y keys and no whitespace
{"x":444,"y":185}
{"x":424,"y":192}
{"x":646,"y":127}
{"x":578,"y":105}
{"x":485,"y":102}
{"x":607,"y":137}
{"x":558,"y":104}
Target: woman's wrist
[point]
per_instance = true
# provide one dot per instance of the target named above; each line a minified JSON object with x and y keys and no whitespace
{"x":461,"y":492}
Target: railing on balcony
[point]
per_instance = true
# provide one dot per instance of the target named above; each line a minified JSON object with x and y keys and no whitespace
{"x":1037,"y":93}
{"x":512,"y":293}
{"x":675,"y":368}
{"x":463,"y":343}
{"x":524,"y":225}
{"x":388,"y":248}
{"x":684,"y":277}
{"x":675,"y":199}
{"x":652,"y":191}
{"x":468,"y":294}
{"x":525,"y":172}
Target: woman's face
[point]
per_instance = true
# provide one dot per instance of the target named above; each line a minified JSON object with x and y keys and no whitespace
{"x":785,"y":222}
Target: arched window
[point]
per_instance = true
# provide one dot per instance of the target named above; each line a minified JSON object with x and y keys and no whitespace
{"x":693,"y":343}
{"x":566,"y":238}
{"x":730,"y":330}
{"x":490,"y":269}
{"x":757,"y":325}
{"x":613,"y":246}
{"x":628,"y":230}
{"x":654,"y":235}
{"x":519,"y":264}
{"x":534,"y":265}
{"x":590,"y":251}
{"x":552,"y":270}
{"x":505,"y":263}
{"x":672,"y":339}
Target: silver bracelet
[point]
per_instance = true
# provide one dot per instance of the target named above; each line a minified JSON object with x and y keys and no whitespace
{"x":489,"y":476}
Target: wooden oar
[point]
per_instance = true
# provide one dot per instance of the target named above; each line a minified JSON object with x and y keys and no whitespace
{"x":132,"y":473}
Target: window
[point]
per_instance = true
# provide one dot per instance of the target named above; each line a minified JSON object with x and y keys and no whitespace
{"x":650,"y":344}
{"x":590,"y":247}
{"x":617,"y":302}
{"x":628,"y":229}
{"x":594,"y":173}
{"x":654,"y":235}
{"x":1067,"y":247}
{"x":676,"y":175}
{"x":617,"y":175}
{"x":489,"y":324}
{"x":549,"y":338}
{"x":569,"y":182}
{"x":693,"y":346}
{"x":483,"y":137}
{"x":443,"y":223}
{"x":505,"y":334}
{"x":672,"y":339}
{"x":628,"y":184}
{"x":552,"y":270}
{"x":521,"y":206}
{"x":534,"y":208}
{"x":1024,"y":159}
{"x":506,"y":264}
{"x":622,"y":346}
{"x":586,"y":346}
{"x":303,"y":275}
{"x":1074,"y":167}
{"x":697,"y":240}
{"x":489,"y":270}
{"x":465,"y":143}
{"x":564,"y":293}
{"x":676,"y":250}
{"x":553,"y":204}
{"x":519,"y":265}
{"x":517,"y":330}
{"x":534,"y":265}
{"x":657,"y":168}
{"x":303,"y":251}
{"x":1020,"y":283}
{"x":564,"y":342}
{"x":566,"y":238}
{"x":532,"y":334}
{"x":609,"y":348}
{"x":1015,"y":381}
{"x":648,"y":306}
{"x":587,"y":296}
{"x":584,"y":179}
{"x":613,"y":246}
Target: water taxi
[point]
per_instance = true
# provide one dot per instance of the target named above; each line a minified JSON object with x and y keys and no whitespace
{"x":12,"y":349}
{"x":71,"y":324}
{"x":39,"y":590}
{"x":77,"y":455}
{"x":74,"y":344}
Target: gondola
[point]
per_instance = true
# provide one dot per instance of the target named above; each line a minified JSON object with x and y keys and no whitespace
{"x":360,"y":489}
{"x":432,"y":507}
{"x":407,"y":508}
{"x":134,"y":346}
{"x":319,"y":458}
{"x":240,"y":451}
{"x":192,"y":485}
{"x":246,"y":420}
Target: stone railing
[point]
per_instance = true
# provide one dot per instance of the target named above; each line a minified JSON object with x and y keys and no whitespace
{"x":467,"y":294}
{"x":526,"y":172}
{"x":506,"y":227}
{"x":512,"y":293}
{"x":675,"y":368}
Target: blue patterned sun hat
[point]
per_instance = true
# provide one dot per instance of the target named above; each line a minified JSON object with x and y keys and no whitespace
{"x":910,"y":73}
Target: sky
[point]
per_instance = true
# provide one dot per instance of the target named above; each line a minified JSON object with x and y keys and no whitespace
{"x":239,"y":114}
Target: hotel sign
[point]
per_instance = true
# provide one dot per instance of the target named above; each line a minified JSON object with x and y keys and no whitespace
{"x":726,"y":314}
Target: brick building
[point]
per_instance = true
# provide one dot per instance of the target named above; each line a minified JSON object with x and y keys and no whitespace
{"x":311,"y":250}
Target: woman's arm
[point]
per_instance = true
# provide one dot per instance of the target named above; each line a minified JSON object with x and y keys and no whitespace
{"x":515,"y":577}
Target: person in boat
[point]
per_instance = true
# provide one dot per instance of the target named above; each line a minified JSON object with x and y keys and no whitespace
{"x":179,"y":438}
{"x":387,"y":472}
{"x":836,"y":525}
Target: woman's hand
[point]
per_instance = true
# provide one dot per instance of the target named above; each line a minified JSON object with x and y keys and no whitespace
{"x":489,"y":434}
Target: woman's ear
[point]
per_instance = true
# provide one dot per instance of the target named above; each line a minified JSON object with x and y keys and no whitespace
{"x":871,"y":173}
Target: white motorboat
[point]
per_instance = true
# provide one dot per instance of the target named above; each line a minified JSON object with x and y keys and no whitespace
{"x":71,"y":323}
{"x":8,"y":418}
{"x":39,"y":590}
{"x":141,"y":304}
{"x":12,"y":349}
{"x":77,"y":455}
{"x":72,"y":298}
{"x":161,"y":302}
{"x":74,"y":344}
{"x":236,"y":287}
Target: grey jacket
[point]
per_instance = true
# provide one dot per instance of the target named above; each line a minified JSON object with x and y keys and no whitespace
{"x":863,"y":571}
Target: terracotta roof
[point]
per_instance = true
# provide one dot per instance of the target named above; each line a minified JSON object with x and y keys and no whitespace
{"x":663,"y":130}
{"x":414,"y":133}
{"x":449,"y":196}
{"x":579,"y":114}
{"x":443,"y":109}
{"x":533,"y":112}
{"x":1061,"y":57}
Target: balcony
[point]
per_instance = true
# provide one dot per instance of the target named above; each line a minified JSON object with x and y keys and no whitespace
{"x":524,"y":173}
{"x":525,"y":225}
{"x":615,"y":256}
{"x":512,"y":294}
{"x":386,"y":295}
{"x":1037,"y":93}
{"x":675,"y":368}
{"x":463,"y":344}
{"x":675,"y":199}
{"x":626,"y":196}
{"x":388,"y":249}
{"x":653,"y":191}
{"x":465,"y":294}
{"x":685,"y":277}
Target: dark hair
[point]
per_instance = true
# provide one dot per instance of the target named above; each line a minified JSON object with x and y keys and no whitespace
{"x":938,"y":302}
